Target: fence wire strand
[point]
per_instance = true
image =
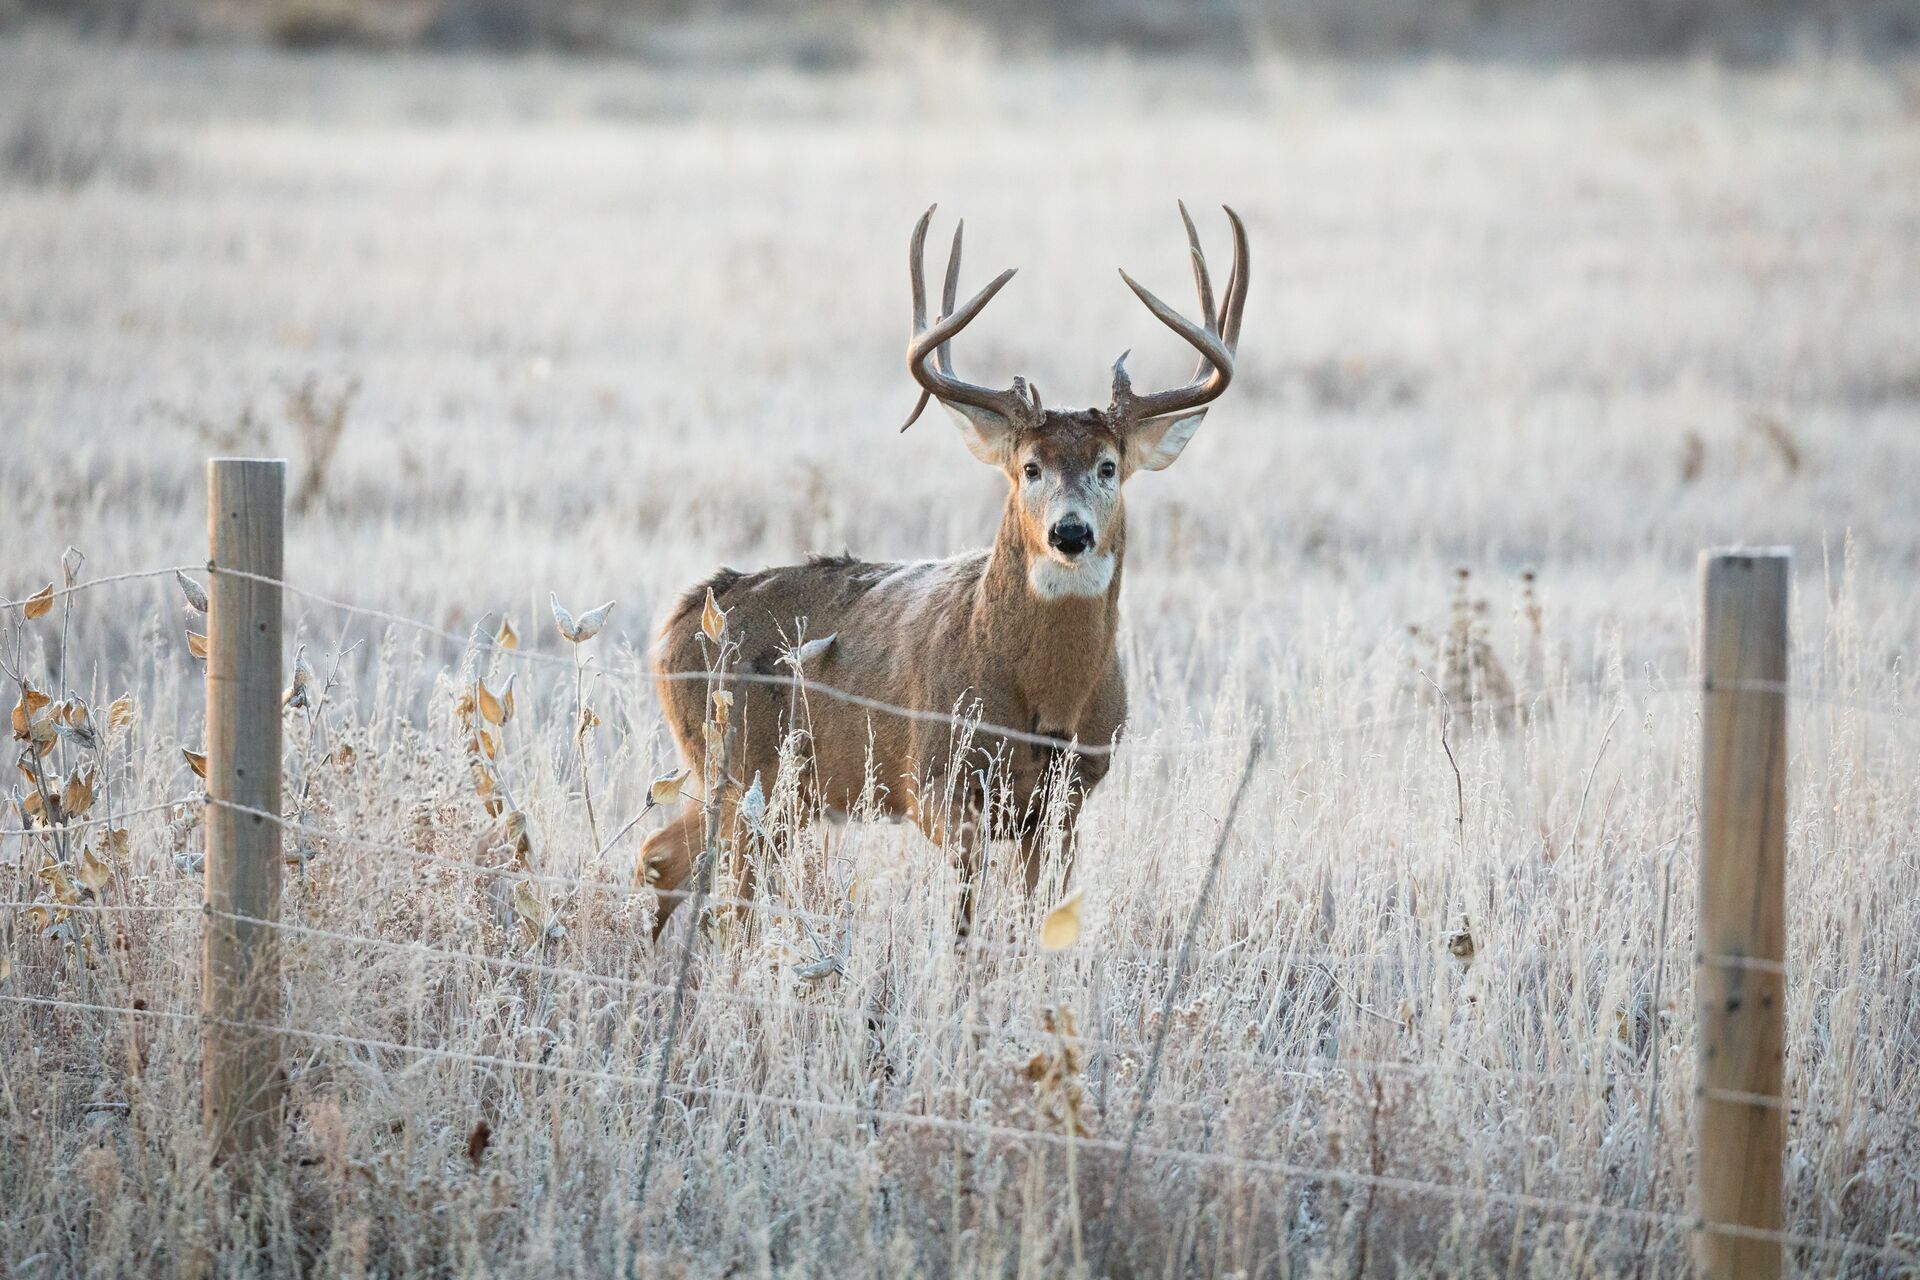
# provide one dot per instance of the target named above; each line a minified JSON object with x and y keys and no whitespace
{"x":1454,"y":1192}
{"x":971,"y":725}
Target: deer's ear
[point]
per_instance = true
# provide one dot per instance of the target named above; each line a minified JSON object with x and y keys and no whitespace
{"x":1155,"y":443}
{"x":989,"y":436}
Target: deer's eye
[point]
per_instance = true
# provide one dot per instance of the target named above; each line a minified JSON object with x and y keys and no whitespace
{"x":1032,"y":471}
{"x":1108,"y":471}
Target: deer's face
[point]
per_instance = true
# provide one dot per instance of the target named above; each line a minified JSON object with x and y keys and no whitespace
{"x":1066,"y":474}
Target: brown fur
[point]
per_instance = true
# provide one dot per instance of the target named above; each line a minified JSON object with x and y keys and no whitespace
{"x":965,"y":635}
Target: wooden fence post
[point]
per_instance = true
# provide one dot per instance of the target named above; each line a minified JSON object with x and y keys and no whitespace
{"x":1741,"y":948}
{"x":240,"y":1073}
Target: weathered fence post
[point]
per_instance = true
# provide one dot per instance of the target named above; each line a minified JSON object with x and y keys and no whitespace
{"x":240,"y":973}
{"x":1740,"y":983}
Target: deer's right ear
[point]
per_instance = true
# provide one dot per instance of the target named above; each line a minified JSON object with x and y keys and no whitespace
{"x":989,"y":436}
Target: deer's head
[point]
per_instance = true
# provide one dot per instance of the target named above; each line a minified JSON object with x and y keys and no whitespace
{"x":1067,"y":465}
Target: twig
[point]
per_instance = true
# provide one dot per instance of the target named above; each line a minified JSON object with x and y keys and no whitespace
{"x":1166,"y":1006}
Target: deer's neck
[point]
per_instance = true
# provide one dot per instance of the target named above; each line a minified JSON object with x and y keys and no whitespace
{"x":1054,"y":646}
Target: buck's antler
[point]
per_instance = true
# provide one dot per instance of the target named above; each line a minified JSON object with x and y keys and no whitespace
{"x":937,"y":378}
{"x":1215,"y":342}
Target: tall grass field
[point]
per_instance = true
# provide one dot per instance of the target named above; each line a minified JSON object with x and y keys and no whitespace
{"x":1521,"y":342}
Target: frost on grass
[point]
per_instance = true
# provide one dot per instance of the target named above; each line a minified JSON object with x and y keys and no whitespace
{"x":1454,"y":859}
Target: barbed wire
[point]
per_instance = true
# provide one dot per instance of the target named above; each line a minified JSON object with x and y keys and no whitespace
{"x":80,"y":587}
{"x":105,"y":908}
{"x":1454,"y":1192}
{"x":762,"y":906}
{"x":1009,"y":1031}
{"x":488,"y":645}
{"x":109,"y":820}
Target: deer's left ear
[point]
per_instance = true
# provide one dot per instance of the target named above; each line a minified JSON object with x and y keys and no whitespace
{"x":1155,"y":443}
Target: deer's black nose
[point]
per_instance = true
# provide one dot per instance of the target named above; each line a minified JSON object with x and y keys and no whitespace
{"x":1070,"y":536}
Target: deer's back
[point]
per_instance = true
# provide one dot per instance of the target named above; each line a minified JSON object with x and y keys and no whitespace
{"x":899,"y":636}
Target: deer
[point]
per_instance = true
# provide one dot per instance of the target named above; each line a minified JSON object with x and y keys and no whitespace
{"x":1020,"y":638}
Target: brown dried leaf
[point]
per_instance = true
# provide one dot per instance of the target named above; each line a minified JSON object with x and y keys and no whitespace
{"x":489,"y":705}
{"x":60,"y":880}
{"x":119,"y":842}
{"x":196,"y":644}
{"x":713,"y":622}
{"x":196,"y":760}
{"x":296,"y":694}
{"x":507,"y":637}
{"x":120,"y":712}
{"x":40,"y":603}
{"x":42,"y":735}
{"x":1061,"y":928}
{"x":31,"y":700}
{"x":666,"y":788}
{"x":94,"y":873}
{"x":476,"y":1141}
{"x":77,"y":797}
{"x":527,"y":905}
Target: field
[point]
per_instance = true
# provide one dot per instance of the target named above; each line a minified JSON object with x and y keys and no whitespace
{"x":528,"y":327}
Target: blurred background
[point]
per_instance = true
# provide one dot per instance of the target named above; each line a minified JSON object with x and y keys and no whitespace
{"x":832,"y":33}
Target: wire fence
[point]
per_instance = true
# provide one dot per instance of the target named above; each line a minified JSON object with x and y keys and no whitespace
{"x":843,"y":924}
{"x":1065,"y":1137}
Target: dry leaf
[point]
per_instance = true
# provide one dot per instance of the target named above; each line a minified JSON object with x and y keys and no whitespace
{"x":77,"y":797}
{"x":507,"y":637}
{"x":94,"y":873}
{"x":666,"y":788}
{"x":561,"y":618}
{"x":119,"y":842}
{"x":489,"y":705}
{"x":343,"y":755}
{"x":31,"y":700}
{"x":476,"y":1141}
{"x":120,"y":712}
{"x":80,"y":725}
{"x":61,"y":881}
{"x":527,"y":905}
{"x":195,"y":593}
{"x":591,"y":621}
{"x":40,"y":603}
{"x":506,"y":699}
{"x":1061,"y":928}
{"x":196,"y":760}
{"x":712,"y":621}
{"x":42,"y":735}
{"x":196,"y":644}
{"x":296,"y":695}
{"x":70,"y":562}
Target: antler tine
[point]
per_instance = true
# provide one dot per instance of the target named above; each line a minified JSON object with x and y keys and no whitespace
{"x":1234,"y":305}
{"x":949,"y":292}
{"x":934,"y":341}
{"x":1200,"y":278}
{"x":1214,"y":339}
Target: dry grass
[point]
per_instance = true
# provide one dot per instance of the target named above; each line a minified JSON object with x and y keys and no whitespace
{"x":609,"y":327}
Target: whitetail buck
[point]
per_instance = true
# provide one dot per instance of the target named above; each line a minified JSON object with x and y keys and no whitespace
{"x":1020,"y":635}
